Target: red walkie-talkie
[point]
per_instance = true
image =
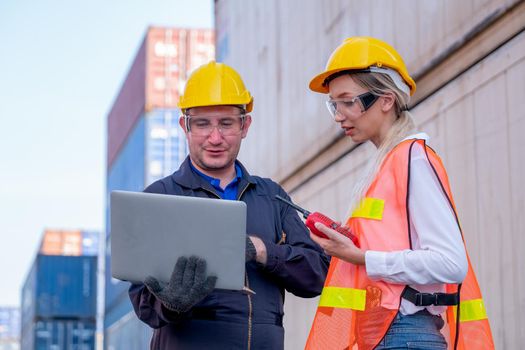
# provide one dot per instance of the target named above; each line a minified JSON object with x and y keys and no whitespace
{"x":312,"y":218}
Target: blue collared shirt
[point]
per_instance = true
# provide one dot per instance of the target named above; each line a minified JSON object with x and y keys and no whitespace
{"x":230,"y":192}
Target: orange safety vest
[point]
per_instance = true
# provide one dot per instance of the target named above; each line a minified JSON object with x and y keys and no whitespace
{"x":354,"y":311}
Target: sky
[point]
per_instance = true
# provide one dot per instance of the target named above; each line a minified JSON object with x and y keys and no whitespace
{"x":62,"y":64}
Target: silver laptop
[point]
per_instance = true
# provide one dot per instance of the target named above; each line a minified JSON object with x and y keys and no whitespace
{"x":149,"y":232}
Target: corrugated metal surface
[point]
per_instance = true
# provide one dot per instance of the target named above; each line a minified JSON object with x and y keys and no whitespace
{"x":63,"y":286}
{"x":158,"y":73}
{"x":115,"y":292}
{"x":128,"y":106}
{"x":27,"y":338}
{"x":120,"y":307}
{"x":475,"y":118}
{"x":171,"y":55}
{"x":127,"y":173}
{"x":166,"y":145}
{"x":55,"y":334}
{"x":90,"y":242}
{"x":117,"y":303}
{"x":69,"y":242}
{"x":128,"y":333}
{"x":61,"y":242}
{"x":277,"y":56}
{"x":28,"y":309}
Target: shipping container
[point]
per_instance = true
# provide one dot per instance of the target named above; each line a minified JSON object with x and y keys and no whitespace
{"x":127,"y":333}
{"x":116,"y":290}
{"x":27,"y":338}
{"x":9,"y":328}
{"x":69,"y":242}
{"x":27,"y":309}
{"x":468,"y":61}
{"x":127,"y":173}
{"x":146,"y":143}
{"x":90,"y":242}
{"x":156,"y":76}
{"x":60,"y":286}
{"x":60,"y":334}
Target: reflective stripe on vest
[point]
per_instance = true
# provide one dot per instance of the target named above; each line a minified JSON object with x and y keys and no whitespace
{"x":471,"y":310}
{"x":345,"y":298}
{"x":370,"y":208}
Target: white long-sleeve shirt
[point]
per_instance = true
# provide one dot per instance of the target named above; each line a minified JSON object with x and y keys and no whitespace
{"x":438,"y":254}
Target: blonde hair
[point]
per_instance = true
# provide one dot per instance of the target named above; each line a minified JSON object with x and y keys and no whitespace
{"x":381,"y":84}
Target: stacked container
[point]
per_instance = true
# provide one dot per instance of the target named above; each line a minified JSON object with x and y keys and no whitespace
{"x":145,"y":143}
{"x":59,"y":296}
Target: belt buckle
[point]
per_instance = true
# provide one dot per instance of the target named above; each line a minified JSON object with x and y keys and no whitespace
{"x":426,"y":299}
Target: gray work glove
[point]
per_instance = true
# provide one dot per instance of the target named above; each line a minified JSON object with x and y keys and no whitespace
{"x":251,"y":252}
{"x":187,"y":286}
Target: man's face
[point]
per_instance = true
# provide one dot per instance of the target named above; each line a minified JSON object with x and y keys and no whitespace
{"x":214,"y":138}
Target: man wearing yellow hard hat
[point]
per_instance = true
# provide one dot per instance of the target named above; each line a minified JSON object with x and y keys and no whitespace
{"x":279,"y":252}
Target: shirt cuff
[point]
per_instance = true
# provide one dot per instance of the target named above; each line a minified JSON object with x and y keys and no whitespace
{"x":375,"y":263}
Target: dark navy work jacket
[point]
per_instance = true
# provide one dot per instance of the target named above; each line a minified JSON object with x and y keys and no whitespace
{"x":230,"y":319}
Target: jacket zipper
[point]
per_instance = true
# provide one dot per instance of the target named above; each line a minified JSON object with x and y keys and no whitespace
{"x":248,"y":295}
{"x":211,"y":192}
{"x":250,"y":306}
{"x":250,"y":314}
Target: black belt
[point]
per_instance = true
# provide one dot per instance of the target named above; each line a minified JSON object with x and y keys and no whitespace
{"x":426,"y":299}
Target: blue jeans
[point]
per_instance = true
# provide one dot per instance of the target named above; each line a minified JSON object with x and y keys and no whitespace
{"x":417,"y":331}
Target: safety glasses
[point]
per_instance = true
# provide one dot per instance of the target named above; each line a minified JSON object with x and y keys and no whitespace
{"x":204,"y":125}
{"x":351,"y":107}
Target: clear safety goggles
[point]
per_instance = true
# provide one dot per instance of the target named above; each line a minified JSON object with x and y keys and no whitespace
{"x":203,"y":125}
{"x":351,"y":107}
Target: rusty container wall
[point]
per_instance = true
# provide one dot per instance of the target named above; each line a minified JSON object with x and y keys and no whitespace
{"x":155,"y":79}
{"x":468,"y":59}
{"x":171,"y":55}
{"x":128,"y":106}
{"x":163,"y":62}
{"x":69,"y":242}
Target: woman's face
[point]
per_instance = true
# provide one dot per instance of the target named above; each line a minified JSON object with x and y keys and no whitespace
{"x":361,"y":126}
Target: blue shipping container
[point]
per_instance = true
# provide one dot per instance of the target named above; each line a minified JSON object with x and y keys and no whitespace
{"x":27,"y":338}
{"x":118,"y":310}
{"x":60,"y":334}
{"x":116,"y":291}
{"x":90,"y":242}
{"x":128,"y":333}
{"x":60,"y":286}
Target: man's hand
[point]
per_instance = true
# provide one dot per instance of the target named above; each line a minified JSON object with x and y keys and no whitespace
{"x":257,"y":250}
{"x":251,"y":252}
{"x":187,"y":286}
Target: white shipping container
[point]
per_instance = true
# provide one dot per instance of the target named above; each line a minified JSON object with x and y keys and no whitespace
{"x":468,"y":60}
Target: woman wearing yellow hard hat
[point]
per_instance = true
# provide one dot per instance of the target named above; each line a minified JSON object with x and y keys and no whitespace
{"x":401,"y":286}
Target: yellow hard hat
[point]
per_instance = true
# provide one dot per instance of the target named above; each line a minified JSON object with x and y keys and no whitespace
{"x":365,"y":53}
{"x":215,"y":84}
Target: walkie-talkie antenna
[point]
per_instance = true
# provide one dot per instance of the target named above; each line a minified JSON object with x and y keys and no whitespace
{"x":295,"y":206}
